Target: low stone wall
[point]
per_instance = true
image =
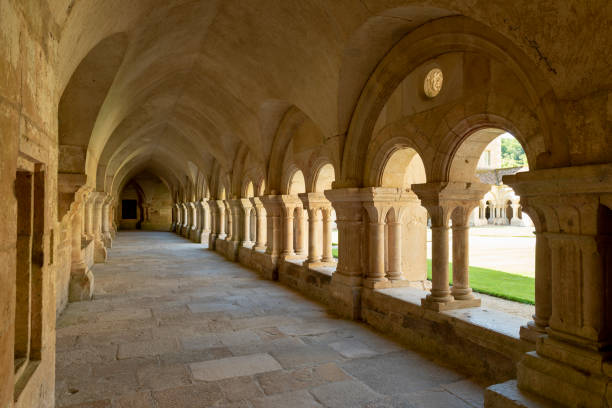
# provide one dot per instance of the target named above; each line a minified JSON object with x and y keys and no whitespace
{"x":312,"y":282}
{"x":481,"y":342}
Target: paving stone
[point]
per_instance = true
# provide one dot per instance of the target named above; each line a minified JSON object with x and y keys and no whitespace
{"x":233,"y":367}
{"x":159,"y":378}
{"x":125,"y":314}
{"x":147,"y":348}
{"x":400,"y":372}
{"x":307,"y":355}
{"x":468,"y":391}
{"x":352,"y":349}
{"x":200,"y":342}
{"x":192,"y":356}
{"x":297,"y":399}
{"x":86,"y":355}
{"x":90,"y":404}
{"x":344,"y":394}
{"x":240,"y":388}
{"x":136,"y":400}
{"x":238,"y":337}
{"x":262,"y":346}
{"x":193,"y":396}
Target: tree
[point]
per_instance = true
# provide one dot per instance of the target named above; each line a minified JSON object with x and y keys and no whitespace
{"x":512,"y":153}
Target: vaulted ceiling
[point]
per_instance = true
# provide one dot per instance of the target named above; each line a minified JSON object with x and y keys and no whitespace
{"x":165,"y":85}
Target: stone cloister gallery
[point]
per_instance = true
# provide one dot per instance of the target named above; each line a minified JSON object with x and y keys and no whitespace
{"x":254,"y":129}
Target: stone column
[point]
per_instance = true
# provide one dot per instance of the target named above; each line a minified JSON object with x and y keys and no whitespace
{"x":441,"y":199}
{"x":99,"y":247}
{"x":193,"y":235}
{"x":186,"y":221}
{"x":314,"y":204}
{"x":300,"y":244}
{"x":88,"y":217}
{"x":204,"y":230}
{"x":221,"y":214}
{"x":346,"y":284}
{"x":515,"y":219}
{"x":288,"y":232}
{"x":314,"y":232}
{"x":461,"y":290}
{"x":543,"y":290}
{"x":246,"y":206}
{"x":572,"y":209}
{"x":214,"y":224}
{"x":81,"y":278}
{"x":106,"y":221}
{"x":328,"y":256}
{"x":273,"y":234}
{"x":395,"y":250}
{"x":260,"y":243}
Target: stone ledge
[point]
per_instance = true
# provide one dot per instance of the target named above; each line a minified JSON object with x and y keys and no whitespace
{"x":508,"y":395}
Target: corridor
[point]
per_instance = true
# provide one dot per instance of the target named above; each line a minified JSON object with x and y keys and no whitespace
{"x":175,"y":325}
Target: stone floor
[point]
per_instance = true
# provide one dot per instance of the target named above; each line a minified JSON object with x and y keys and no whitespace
{"x":175,"y":325}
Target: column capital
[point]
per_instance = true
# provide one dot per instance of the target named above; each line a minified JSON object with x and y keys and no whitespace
{"x":442,"y":198}
{"x":314,"y":201}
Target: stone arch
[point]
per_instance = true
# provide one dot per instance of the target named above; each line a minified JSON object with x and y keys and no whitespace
{"x":295,"y":182}
{"x":323,"y":176}
{"x":435,"y":38}
{"x":460,"y":149}
{"x":295,"y":125}
{"x":379,"y":160}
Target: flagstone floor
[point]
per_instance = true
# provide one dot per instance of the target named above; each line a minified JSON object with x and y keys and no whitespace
{"x":175,"y":325}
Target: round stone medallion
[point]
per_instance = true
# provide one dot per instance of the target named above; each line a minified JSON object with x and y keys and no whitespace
{"x":433,"y":82}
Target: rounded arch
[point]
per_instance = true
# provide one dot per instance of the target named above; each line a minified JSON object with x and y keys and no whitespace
{"x":380,"y":155}
{"x":402,"y":168}
{"x":451,"y":34}
{"x":295,"y":183}
{"x":460,"y":150}
{"x":324,"y":176}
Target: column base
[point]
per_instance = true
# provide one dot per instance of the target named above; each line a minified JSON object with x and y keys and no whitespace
{"x":99,"y":252}
{"x":81,"y":285}
{"x":108,"y":240}
{"x":565,"y":385}
{"x":451,"y":304}
{"x":531,"y":332}
{"x":395,"y":283}
{"x":345,"y":296}
{"x":508,"y":395}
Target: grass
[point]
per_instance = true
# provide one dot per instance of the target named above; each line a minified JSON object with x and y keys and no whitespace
{"x":495,"y":283}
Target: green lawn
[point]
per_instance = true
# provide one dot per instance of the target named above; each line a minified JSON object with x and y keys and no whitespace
{"x":495,"y":283}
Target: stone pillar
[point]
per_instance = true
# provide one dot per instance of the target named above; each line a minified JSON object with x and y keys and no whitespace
{"x":260,"y":243}
{"x":81,"y":278}
{"x":461,"y":253}
{"x":273,"y":233}
{"x":88,"y":217}
{"x":515,"y":219}
{"x":571,"y":366}
{"x":346,"y":284}
{"x":328,"y":256}
{"x":185,"y":225}
{"x":376,"y":239}
{"x":229,"y":216}
{"x":99,"y":247}
{"x":300,"y":244}
{"x":221,"y":213}
{"x":314,"y":232}
{"x":395,"y":250}
{"x":214,"y":223}
{"x":106,"y":222}
{"x":193,"y":228}
{"x":441,"y":199}
{"x":315,"y":203}
{"x":288,"y":232}
{"x":543,"y":290}
{"x":246,"y":206}
{"x":204,"y":229}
